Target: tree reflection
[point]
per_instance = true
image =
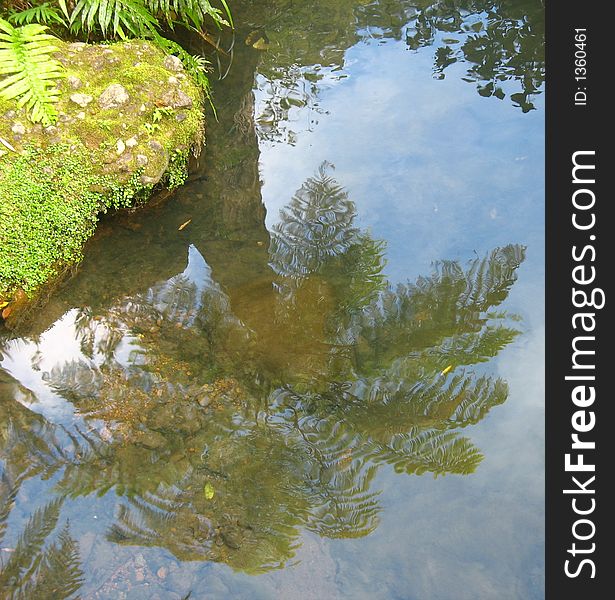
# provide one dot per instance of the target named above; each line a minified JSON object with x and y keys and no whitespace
{"x":33,"y":566}
{"x":230,"y":419}
{"x":500,"y":43}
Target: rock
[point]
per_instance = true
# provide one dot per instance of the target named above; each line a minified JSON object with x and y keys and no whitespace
{"x":80,"y":115}
{"x":18,"y":129}
{"x":9,"y":114}
{"x":131,"y":142}
{"x":152,"y":439}
{"x":156,"y":146}
{"x":77,"y":46}
{"x":74,"y":82}
{"x":140,"y":560}
{"x":50,"y":130}
{"x":142,"y":108}
{"x":139,"y":575}
{"x":81,"y":99}
{"x":120,"y":146}
{"x":172,"y":63}
{"x":176,"y":99}
{"x":142,"y":160}
{"x":115,"y":95}
{"x":179,"y":117}
{"x":147,"y":180}
{"x":64,"y":118}
{"x":173,"y":80}
{"x":124,"y":163}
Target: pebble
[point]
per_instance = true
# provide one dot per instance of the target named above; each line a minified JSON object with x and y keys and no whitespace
{"x":131,"y":142}
{"x":114,"y":95}
{"x":18,"y":129}
{"x":74,"y":82}
{"x":81,"y":99}
{"x":172,"y":63}
{"x":120,"y":146}
{"x":176,"y":99}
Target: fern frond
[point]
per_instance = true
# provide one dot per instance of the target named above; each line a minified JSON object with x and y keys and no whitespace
{"x":59,"y":574}
{"x":44,"y":14}
{"x":28,"y":70}
{"x":114,"y":18}
{"x":26,"y":557}
{"x":196,"y":65}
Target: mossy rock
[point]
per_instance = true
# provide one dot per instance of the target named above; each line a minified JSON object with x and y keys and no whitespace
{"x":128,"y":117}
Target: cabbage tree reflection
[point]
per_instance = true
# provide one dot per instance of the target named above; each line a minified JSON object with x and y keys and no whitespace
{"x":231,"y":418}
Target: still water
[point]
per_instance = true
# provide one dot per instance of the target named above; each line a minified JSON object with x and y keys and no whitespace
{"x":328,"y":383}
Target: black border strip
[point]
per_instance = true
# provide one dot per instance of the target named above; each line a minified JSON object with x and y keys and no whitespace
{"x":573,"y":127}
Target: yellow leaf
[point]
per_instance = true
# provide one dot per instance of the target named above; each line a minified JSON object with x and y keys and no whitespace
{"x":447,"y":370}
{"x":208,"y":490}
{"x":184,"y":224}
{"x":3,"y":305}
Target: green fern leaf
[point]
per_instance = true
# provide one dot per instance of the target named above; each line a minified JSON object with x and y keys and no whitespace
{"x":44,"y":14}
{"x":27,"y":70}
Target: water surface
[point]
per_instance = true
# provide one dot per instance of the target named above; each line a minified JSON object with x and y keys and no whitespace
{"x":329,"y":383}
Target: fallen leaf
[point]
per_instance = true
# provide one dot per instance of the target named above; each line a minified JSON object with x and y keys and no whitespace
{"x":6,"y":312}
{"x":184,"y":224}
{"x":447,"y":370}
{"x":208,"y":490}
{"x":5,"y":143}
{"x":3,"y":305}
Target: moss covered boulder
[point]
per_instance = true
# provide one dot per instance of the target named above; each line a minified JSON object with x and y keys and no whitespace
{"x":128,"y":116}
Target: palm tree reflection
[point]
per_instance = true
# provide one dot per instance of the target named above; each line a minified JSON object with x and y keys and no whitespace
{"x":230,"y":420}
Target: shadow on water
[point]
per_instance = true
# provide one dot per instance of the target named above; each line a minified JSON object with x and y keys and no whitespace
{"x":233,"y":385}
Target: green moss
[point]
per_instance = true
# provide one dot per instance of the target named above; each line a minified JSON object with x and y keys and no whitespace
{"x":54,"y":182}
{"x":45,"y":220}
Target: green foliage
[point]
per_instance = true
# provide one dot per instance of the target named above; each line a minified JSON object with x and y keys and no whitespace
{"x":191,"y":12}
{"x":121,"y":19}
{"x":145,"y":18}
{"x":51,"y":193}
{"x":196,"y":65}
{"x":113,"y":18}
{"x":44,"y":13}
{"x":125,"y":194}
{"x":178,"y":171}
{"x":45,"y":220}
{"x":28,"y":69}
